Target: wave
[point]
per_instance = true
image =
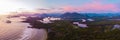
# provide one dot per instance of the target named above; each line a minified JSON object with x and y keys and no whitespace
{"x":27,"y":34}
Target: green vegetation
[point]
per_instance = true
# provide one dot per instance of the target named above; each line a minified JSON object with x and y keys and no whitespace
{"x":65,"y":30}
{"x":104,"y":22}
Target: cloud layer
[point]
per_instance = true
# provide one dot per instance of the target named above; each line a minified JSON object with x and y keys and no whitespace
{"x":97,"y":6}
{"x":88,"y":7}
{"x":93,"y":7}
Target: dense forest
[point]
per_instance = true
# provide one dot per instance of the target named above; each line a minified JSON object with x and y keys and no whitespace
{"x":65,"y":30}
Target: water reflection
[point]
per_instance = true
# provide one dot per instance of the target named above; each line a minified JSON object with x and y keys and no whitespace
{"x":17,"y":30}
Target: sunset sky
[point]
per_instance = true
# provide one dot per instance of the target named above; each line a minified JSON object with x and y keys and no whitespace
{"x":61,"y":5}
{"x":78,"y":5}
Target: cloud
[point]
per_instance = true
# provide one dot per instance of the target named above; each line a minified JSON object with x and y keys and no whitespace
{"x":94,"y":7}
{"x":47,"y":10}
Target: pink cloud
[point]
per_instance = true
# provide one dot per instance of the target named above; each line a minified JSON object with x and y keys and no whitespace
{"x":48,"y":10}
{"x":68,"y":8}
{"x":89,"y":7}
{"x":93,"y":7}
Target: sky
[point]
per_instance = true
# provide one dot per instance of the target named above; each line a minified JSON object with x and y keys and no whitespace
{"x":79,"y":5}
{"x":93,"y":6}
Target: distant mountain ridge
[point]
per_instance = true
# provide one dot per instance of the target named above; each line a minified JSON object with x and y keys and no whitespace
{"x":75,"y":15}
{"x":72,"y":16}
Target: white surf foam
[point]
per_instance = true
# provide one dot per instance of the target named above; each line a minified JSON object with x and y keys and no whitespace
{"x":27,"y":33}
